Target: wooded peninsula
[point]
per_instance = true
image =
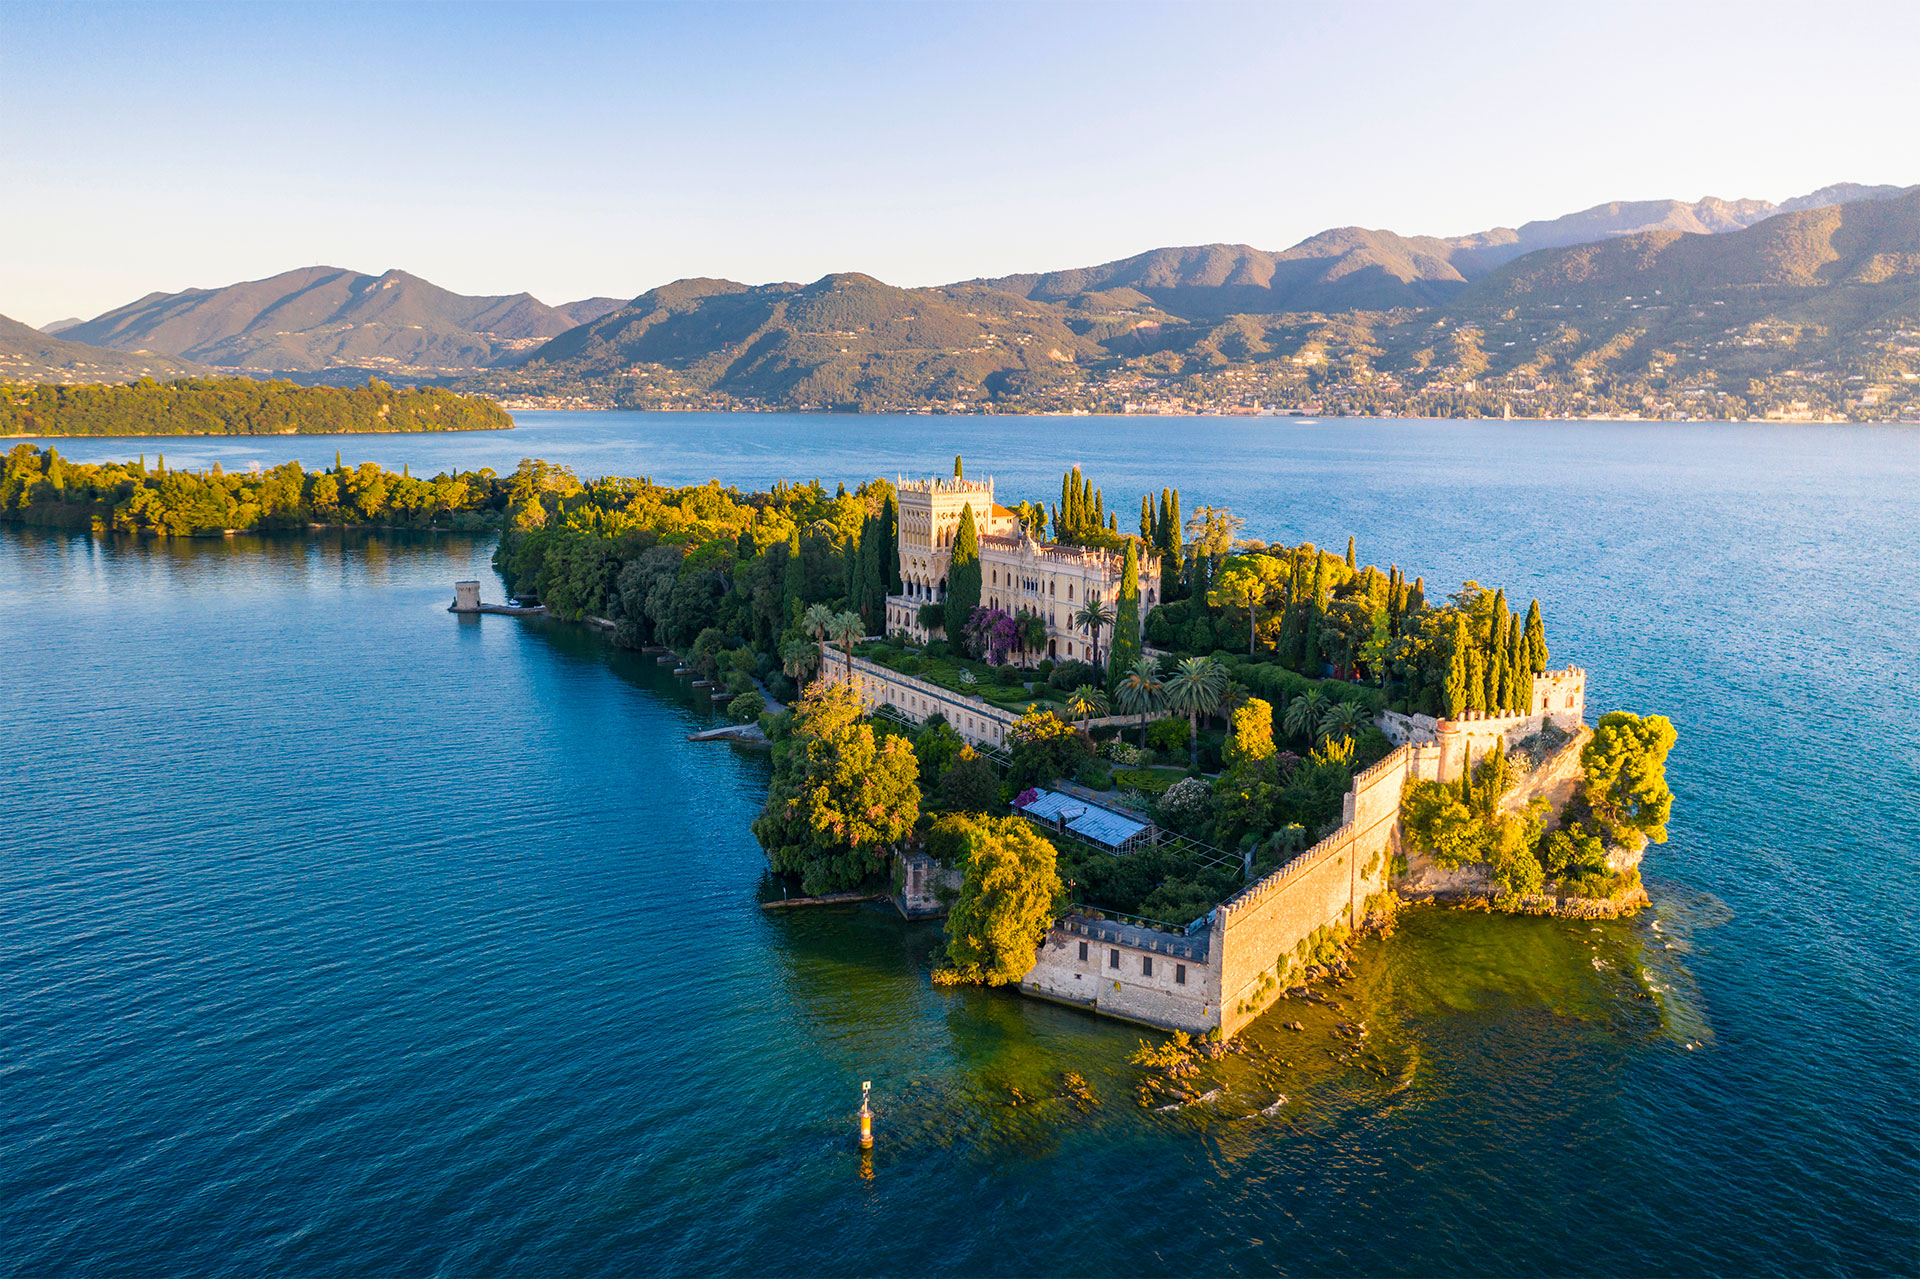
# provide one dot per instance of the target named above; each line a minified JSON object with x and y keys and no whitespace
{"x":240,"y":406}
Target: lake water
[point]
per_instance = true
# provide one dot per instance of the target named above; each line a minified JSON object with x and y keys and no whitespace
{"x":339,"y":935}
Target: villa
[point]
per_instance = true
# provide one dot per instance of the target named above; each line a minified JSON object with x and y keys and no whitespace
{"x":1018,"y":572}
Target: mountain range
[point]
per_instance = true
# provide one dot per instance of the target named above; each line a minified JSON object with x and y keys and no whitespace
{"x":1343,"y":318}
{"x":320,"y":319}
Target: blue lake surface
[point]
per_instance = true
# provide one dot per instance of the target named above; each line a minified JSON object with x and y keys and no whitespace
{"x":342,"y":936}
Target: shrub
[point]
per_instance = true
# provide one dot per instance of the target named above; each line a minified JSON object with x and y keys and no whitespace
{"x":1007,"y":676}
{"x":1169,"y":734}
{"x":939,"y":648}
{"x":1045,"y":668}
{"x":1144,"y":780}
{"x":1094,"y":774}
{"x":1186,"y":803}
{"x":746,"y":707}
{"x":1122,"y":753}
{"x":971,"y":785}
{"x":1072,"y":674}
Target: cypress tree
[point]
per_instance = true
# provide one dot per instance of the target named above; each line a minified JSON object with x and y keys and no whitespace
{"x":1416,"y":597}
{"x":1351,"y":563}
{"x":1125,"y":645}
{"x":1058,"y":528}
{"x":892,"y":548}
{"x":1288,"y":644}
{"x":959,"y":471}
{"x":1497,"y":665}
{"x":1063,"y":514}
{"x":1099,"y":508}
{"x":1170,"y":549}
{"x":963,"y":575}
{"x":1536,"y":639}
{"x":1476,"y":676}
{"x":1519,"y":678}
{"x":1113,"y":521}
{"x":1147,"y":530}
{"x":793,"y":585}
{"x":1454,"y":693}
{"x":337,"y":468}
{"x":1317,"y":612}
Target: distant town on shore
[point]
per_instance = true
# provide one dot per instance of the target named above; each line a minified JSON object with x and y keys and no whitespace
{"x":1808,"y":310}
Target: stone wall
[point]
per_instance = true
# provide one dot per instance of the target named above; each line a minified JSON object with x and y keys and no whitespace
{"x":1258,"y":929}
{"x":1121,"y":970}
{"x":977,"y":722}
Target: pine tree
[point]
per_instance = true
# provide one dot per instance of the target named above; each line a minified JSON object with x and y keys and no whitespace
{"x":1454,"y":697}
{"x":1351,"y":562}
{"x":1536,"y":639}
{"x":1125,"y":645}
{"x":963,"y":575}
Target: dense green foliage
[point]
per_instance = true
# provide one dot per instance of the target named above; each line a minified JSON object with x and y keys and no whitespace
{"x":240,"y":406}
{"x":41,"y":487}
{"x":1010,"y":896}
{"x":1626,"y":776}
{"x":841,"y":795}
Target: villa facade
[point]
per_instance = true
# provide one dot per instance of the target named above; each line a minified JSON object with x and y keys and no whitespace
{"x":1018,"y":572}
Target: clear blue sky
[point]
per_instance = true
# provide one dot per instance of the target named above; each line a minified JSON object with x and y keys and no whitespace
{"x":572,"y":150}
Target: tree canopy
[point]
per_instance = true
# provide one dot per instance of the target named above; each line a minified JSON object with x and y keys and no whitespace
{"x":1011,"y":895}
{"x":840,"y":795}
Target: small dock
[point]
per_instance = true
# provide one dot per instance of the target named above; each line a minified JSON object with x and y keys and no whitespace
{"x":825,"y":899}
{"x":466,"y":599}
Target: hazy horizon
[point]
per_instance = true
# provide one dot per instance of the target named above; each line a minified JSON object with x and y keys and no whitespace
{"x":574,"y":151}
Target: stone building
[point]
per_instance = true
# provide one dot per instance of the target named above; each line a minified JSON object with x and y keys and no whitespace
{"x":1018,"y":572}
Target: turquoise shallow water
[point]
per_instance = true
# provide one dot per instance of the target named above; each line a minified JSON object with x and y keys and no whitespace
{"x":342,"y":936}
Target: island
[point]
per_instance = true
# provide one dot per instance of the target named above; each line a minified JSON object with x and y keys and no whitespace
{"x":240,"y":406}
{"x":1164,"y":775}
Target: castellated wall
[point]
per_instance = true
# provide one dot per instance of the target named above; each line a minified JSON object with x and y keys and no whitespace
{"x":1330,"y":883}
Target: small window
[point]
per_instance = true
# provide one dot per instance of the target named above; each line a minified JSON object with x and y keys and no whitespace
{"x":1083,"y":950}
{"x":1146,"y":965}
{"x":1179,"y":974}
{"x":1113,"y":959}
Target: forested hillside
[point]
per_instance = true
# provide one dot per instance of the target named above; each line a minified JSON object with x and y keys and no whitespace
{"x":239,"y":406}
{"x":1806,"y":315}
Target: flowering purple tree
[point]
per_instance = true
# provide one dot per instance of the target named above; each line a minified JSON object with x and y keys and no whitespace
{"x":991,"y":634}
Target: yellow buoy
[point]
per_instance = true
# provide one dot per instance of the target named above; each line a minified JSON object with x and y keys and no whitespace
{"x":866,"y":1116}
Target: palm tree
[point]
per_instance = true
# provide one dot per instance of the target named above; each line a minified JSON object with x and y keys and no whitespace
{"x":799,"y":659}
{"x":1141,"y":692}
{"x":1303,"y":714}
{"x":1342,"y":720}
{"x":1093,"y":615}
{"x":845,"y":628}
{"x":817,"y":621}
{"x":1086,"y":702}
{"x":1195,"y":690}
